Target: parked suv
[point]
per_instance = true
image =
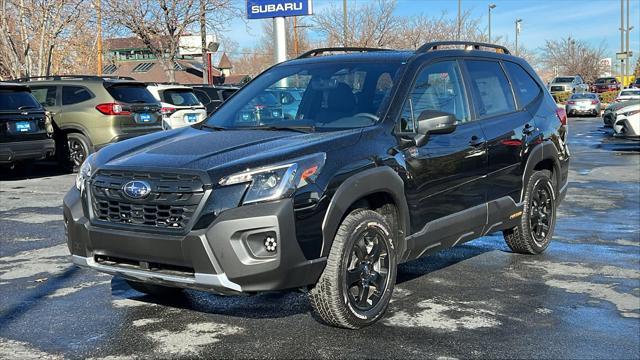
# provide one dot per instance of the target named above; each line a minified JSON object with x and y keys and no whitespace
{"x":180,"y":106}
{"x":605,"y":84}
{"x":25,"y":129}
{"x":393,"y":155}
{"x":91,"y":112}
{"x":568,"y":83}
{"x":213,"y":96}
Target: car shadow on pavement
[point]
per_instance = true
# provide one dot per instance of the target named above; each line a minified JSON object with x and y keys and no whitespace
{"x":34,"y":170}
{"x":260,"y":306}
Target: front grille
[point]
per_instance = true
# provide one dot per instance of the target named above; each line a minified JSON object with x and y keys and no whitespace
{"x":170,"y":205}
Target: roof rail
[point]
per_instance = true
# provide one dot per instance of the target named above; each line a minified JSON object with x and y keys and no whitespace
{"x":316,"y":52}
{"x":75,"y":77}
{"x":475,"y":45}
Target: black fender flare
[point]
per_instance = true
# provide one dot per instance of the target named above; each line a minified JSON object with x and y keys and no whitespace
{"x":543,"y":151}
{"x":79,"y":129}
{"x":375,"y":180}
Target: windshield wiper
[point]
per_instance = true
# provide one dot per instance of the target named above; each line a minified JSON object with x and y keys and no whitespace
{"x":297,"y":128}
{"x":23,"y":107}
{"x":213,"y":127}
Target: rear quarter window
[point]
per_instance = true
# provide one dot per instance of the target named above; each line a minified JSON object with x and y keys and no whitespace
{"x":524,"y":86}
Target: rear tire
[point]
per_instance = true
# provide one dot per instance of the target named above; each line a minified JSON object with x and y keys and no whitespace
{"x":538,"y":220}
{"x":356,"y":286}
{"x":78,"y":149}
{"x":154,"y":290}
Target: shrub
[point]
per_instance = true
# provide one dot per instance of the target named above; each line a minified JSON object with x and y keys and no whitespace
{"x":561,"y":97}
{"x":608,"y":97}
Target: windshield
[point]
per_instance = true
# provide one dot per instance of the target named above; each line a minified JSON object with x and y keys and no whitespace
{"x":131,"y":94}
{"x":583,"y":96}
{"x":562,"y":80}
{"x":605,"y":81}
{"x":11,"y":100}
{"x":180,"y":97}
{"x":322,"y":96}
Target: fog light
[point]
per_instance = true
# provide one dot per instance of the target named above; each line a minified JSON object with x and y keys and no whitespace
{"x":270,"y":243}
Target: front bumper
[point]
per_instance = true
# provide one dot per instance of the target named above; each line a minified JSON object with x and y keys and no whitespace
{"x":228,"y":257}
{"x":25,"y":150}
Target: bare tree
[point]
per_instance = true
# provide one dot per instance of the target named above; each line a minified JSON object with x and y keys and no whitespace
{"x":161,"y":23}
{"x":569,"y":56}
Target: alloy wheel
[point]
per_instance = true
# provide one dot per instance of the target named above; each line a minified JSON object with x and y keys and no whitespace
{"x":77,"y":152}
{"x":541,"y":211}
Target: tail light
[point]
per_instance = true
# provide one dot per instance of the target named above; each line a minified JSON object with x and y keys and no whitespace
{"x":167,"y":110}
{"x":112,"y":109}
{"x":571,"y":102}
{"x":562,"y":115}
{"x":593,"y":102}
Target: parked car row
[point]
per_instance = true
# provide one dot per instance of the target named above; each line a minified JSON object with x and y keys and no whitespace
{"x":87,"y":113}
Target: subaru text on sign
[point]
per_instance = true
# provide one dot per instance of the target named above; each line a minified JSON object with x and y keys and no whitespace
{"x":263,"y":9}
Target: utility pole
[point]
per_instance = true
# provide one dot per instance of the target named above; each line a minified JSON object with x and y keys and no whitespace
{"x":491,"y":6}
{"x":622,"y":40}
{"x":296,"y":49}
{"x":518,"y":21}
{"x":628,"y":59}
{"x":99,"y":38}
{"x":344,"y":22}
{"x":459,"y":19}
{"x":203,"y":42}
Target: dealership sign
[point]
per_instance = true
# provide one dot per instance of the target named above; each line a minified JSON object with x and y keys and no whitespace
{"x":263,"y":9}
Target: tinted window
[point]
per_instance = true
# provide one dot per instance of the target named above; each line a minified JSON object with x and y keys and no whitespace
{"x":583,"y":96}
{"x":334,"y":97}
{"x":524,"y":85}
{"x":11,"y":100}
{"x":438,"y":87}
{"x":563,"y":80}
{"x":75,"y":94}
{"x":45,"y":95}
{"x":491,"y":89}
{"x":202,"y":96}
{"x":180,"y":97}
{"x":131,"y":94}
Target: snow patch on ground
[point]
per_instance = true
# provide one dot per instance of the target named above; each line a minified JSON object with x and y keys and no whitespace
{"x":145,"y":322}
{"x":191,"y":340}
{"x":448,"y":315}
{"x":11,"y":349}
{"x":74,"y":289}
{"x":50,"y":260}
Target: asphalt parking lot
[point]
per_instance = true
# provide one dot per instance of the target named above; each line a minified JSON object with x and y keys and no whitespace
{"x":580,"y":299}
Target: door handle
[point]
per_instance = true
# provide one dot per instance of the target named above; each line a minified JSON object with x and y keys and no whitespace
{"x":476,"y":141}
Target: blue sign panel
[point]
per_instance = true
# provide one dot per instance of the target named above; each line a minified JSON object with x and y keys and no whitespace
{"x":263,"y":9}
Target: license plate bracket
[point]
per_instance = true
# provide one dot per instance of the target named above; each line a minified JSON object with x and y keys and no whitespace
{"x":24,"y":127}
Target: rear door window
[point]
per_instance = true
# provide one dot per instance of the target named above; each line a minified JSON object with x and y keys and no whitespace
{"x":45,"y":95}
{"x":75,"y":94}
{"x":490,"y":87}
{"x":131,"y":93}
{"x":525,"y":87}
{"x":180,"y":97}
{"x":12,"y":100}
{"x":202,"y":96}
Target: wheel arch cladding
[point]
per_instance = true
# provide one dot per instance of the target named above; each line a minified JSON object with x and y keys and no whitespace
{"x":543,"y":157}
{"x":370,"y":184}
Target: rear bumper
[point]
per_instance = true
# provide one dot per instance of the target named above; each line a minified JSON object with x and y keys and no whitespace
{"x":26,"y":150}
{"x":129,"y":135}
{"x":228,"y":257}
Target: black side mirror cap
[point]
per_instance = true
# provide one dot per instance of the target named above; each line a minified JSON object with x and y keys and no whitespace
{"x":436,"y":122}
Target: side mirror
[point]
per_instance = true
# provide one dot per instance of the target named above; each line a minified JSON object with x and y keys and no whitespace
{"x":432,"y":122}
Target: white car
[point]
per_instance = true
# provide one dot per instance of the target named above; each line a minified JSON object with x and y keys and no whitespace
{"x":180,"y":106}
{"x":628,"y":121}
{"x":628,"y":94}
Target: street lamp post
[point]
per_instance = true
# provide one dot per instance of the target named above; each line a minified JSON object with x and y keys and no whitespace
{"x":491,"y":6}
{"x":518,"y":21}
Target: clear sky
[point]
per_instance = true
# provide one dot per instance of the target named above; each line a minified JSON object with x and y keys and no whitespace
{"x":594,"y":21}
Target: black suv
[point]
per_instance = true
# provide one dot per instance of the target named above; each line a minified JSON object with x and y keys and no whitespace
{"x":391,"y":155}
{"x":25,"y":129}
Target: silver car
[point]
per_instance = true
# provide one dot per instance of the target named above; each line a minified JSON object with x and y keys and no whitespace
{"x":583,"y":104}
{"x":574,"y":84}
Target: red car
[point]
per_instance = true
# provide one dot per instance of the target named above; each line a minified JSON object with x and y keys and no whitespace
{"x":605,"y":84}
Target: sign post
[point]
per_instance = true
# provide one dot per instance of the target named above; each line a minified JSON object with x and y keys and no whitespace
{"x":278,"y":10}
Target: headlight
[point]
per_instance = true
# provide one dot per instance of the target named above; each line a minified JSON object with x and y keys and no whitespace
{"x":277,"y":181}
{"x":85,"y":172}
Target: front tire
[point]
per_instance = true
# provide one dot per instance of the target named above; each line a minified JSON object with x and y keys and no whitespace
{"x":538,"y":220}
{"x":356,"y":286}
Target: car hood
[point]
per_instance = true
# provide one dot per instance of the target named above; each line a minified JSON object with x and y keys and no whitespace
{"x":211,"y":150}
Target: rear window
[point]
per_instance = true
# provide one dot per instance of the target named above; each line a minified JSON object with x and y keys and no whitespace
{"x":180,"y":97}
{"x":563,"y":80}
{"x":583,"y":96}
{"x":630,"y":92}
{"x":605,"y":81}
{"x":11,"y":100}
{"x":131,"y":94}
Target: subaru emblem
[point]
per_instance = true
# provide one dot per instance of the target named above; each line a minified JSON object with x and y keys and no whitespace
{"x":136,"y":189}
